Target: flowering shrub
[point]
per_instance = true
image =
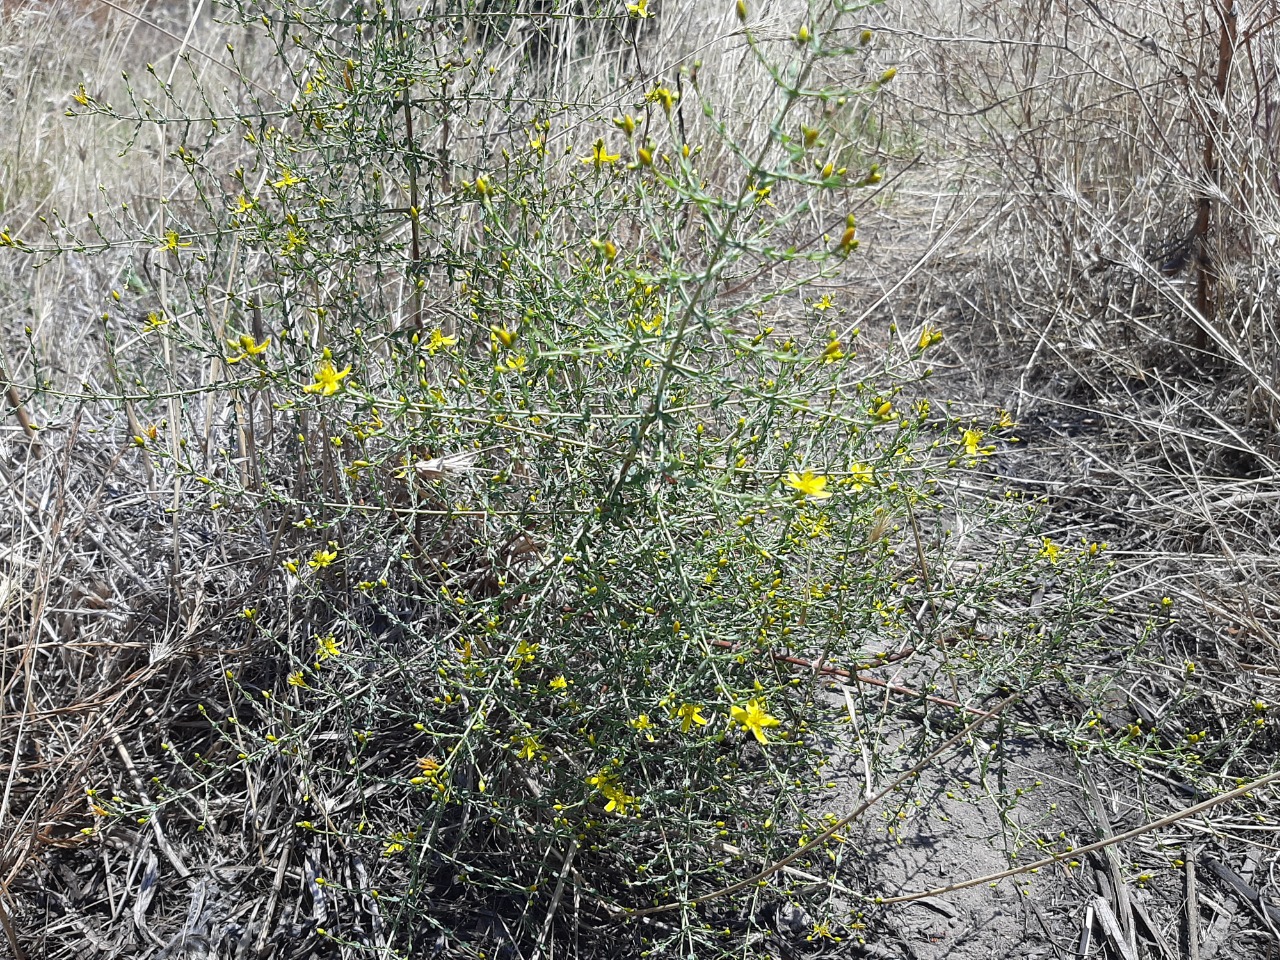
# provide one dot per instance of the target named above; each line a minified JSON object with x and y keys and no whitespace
{"x":569,"y":517}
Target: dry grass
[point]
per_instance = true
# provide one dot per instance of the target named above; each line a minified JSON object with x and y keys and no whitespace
{"x":1081,"y":146}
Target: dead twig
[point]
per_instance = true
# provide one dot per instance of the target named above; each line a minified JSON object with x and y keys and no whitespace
{"x":1268,"y":913}
{"x":1193,"y":908}
{"x":545,"y":932}
{"x":1112,"y":927}
{"x":1119,"y":889}
{"x":9,"y":933}
{"x":20,"y":411}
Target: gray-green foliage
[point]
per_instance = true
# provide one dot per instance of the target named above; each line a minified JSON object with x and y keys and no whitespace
{"x":567,"y":517}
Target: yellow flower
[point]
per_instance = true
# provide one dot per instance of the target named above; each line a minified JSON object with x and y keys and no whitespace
{"x":516,"y":363}
{"x":689,"y":714}
{"x":81,"y":96}
{"x":600,"y":155}
{"x":287,"y":179}
{"x":663,"y":96}
{"x":823,"y":303}
{"x":327,"y":647}
{"x":529,"y":748}
{"x":296,"y":679}
{"x":928,"y":337}
{"x":753,"y":717}
{"x":246,"y":347}
{"x":833,"y":351}
{"x":639,"y":10}
{"x":822,"y":931}
{"x":971,"y":440}
{"x":860,"y":477}
{"x":642,"y":724}
{"x":559,"y":683}
{"x":814,"y":487}
{"x":294,"y":240}
{"x":322,"y":558}
{"x":171,"y":242}
{"x":1049,"y":551}
{"x":328,"y":378}
{"x":619,"y":801}
{"x":393,"y":848}
{"x":439,"y":341}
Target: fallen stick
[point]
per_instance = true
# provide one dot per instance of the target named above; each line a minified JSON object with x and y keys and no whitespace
{"x":1193,"y":907}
